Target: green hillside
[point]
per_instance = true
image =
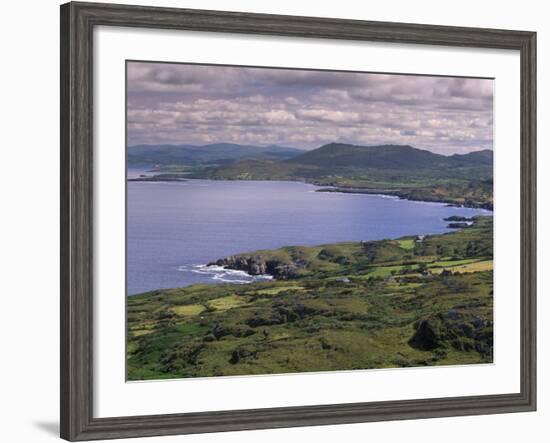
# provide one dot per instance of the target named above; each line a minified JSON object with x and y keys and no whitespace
{"x":344,"y":159}
{"x":355,"y":305}
{"x":339,"y":155}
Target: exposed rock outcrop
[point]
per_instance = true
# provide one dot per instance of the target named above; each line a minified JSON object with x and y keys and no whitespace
{"x":458,"y":225}
{"x":458,"y":218}
{"x":258,"y":265}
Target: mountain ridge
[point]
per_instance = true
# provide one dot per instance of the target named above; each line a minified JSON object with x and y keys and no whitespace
{"x":193,"y":155}
{"x":354,"y":161}
{"x":388,"y":156}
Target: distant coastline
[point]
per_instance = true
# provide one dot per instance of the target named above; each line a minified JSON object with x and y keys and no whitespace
{"x":411,"y":195}
{"x":158,"y":178}
{"x":402,"y":171}
{"x":402,"y":194}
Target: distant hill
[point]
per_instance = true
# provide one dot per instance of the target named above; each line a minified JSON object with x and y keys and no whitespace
{"x":194,"y":155}
{"x":387,"y":163}
{"x":402,"y":171}
{"x":484,"y":157}
{"x":339,"y":155}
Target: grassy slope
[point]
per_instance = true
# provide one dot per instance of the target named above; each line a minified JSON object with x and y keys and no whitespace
{"x":352,"y":306}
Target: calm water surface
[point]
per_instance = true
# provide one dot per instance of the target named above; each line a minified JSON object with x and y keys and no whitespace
{"x":174,"y":229}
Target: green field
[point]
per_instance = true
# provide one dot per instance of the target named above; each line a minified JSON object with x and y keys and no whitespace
{"x":353,"y":305}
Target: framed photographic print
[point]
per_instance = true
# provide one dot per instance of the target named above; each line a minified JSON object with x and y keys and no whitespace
{"x":274,"y":221}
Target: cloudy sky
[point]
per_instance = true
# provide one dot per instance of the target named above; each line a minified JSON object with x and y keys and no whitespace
{"x":197,"y":104}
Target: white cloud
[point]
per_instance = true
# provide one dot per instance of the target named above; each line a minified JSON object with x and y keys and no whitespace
{"x":178,"y":103}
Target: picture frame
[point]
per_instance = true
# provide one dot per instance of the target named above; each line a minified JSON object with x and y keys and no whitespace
{"x":78,"y":21}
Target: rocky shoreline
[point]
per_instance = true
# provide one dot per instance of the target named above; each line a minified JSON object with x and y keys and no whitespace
{"x":399,"y":193}
{"x":257,"y":265}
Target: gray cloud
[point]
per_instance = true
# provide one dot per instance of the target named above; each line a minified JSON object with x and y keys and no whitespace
{"x":199,"y":104}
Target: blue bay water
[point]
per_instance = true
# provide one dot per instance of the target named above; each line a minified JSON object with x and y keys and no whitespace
{"x":174,"y":229}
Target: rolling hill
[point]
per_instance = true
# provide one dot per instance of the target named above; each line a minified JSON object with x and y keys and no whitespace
{"x":194,"y":155}
{"x":346,"y":156}
{"x":338,"y":155}
{"x":483,"y":157}
{"x":341,"y":306}
{"x":384,"y":162}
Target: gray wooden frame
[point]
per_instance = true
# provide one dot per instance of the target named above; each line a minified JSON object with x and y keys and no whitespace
{"x":77,"y":23}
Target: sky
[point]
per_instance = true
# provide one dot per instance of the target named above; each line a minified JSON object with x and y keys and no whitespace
{"x":203,"y":104}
